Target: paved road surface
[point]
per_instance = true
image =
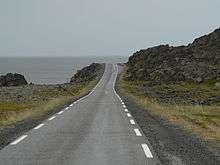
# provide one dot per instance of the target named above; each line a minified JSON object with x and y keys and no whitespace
{"x":95,"y":130}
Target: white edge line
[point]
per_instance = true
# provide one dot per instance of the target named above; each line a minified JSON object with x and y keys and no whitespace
{"x":53,"y":117}
{"x":144,"y":146}
{"x":82,"y":98}
{"x":132,"y":121}
{"x":39,"y":126}
{"x":137,"y":132}
{"x":124,"y":106}
{"x":147,"y":151}
{"x":18,"y":140}
{"x":126,"y":110}
{"x":60,"y":112}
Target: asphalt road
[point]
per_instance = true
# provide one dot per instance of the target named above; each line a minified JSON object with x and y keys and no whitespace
{"x":95,"y":130}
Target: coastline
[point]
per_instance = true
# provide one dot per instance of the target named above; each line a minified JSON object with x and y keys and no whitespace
{"x":39,"y":103}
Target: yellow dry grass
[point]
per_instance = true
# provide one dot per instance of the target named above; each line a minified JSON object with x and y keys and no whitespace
{"x":11,"y":113}
{"x":202,"y":120}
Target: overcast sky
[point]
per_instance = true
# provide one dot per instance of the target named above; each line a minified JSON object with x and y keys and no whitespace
{"x":101,"y":27}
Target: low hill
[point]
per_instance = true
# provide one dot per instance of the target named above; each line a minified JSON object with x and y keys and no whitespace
{"x":88,"y":73}
{"x":179,"y":84}
{"x":198,"y":62}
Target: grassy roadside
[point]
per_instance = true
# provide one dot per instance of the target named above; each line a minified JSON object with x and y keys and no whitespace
{"x":12,"y":112}
{"x":203,"y":120}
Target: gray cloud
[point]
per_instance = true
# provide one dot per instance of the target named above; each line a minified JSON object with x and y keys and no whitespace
{"x":101,"y":27}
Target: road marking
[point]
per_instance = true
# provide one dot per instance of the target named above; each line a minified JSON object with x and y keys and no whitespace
{"x":53,"y":117}
{"x":124,"y":106}
{"x":18,"y":140}
{"x":132,"y":121}
{"x":129,"y":115}
{"x":126,"y":110}
{"x":60,"y":112}
{"x":39,"y":126}
{"x":137,"y":132}
{"x":147,"y":151}
{"x":66,"y":108}
{"x":123,"y":103}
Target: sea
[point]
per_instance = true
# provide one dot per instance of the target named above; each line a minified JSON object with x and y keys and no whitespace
{"x":51,"y":70}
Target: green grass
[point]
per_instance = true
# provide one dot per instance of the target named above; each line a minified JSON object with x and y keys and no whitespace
{"x":5,"y":107}
{"x":190,"y":90}
{"x":218,"y":65}
{"x":199,"y":119}
{"x":11,"y":113}
{"x":63,"y":91}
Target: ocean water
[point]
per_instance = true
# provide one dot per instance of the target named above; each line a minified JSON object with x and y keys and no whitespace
{"x":50,"y":70}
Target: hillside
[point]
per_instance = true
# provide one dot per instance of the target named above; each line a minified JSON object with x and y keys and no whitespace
{"x":88,"y":73}
{"x":198,"y":62}
{"x":179,"y":84}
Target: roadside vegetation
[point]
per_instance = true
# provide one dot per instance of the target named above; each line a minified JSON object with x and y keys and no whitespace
{"x":54,"y":99}
{"x":194,"y":106}
{"x":35,"y":101}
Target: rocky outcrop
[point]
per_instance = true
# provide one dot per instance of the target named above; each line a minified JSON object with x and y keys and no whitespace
{"x":88,"y":73}
{"x":198,"y":62}
{"x":11,"y":79}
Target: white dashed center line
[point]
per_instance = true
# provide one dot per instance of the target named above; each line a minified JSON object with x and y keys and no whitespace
{"x":60,"y":112}
{"x":128,"y":114}
{"x":137,"y":132}
{"x":39,"y":126}
{"x":147,"y":151}
{"x":123,"y":103}
{"x":126,"y":110}
{"x":124,"y":106}
{"x":53,"y":117}
{"x":66,"y":108}
{"x":132,"y":122}
{"x":18,"y":140}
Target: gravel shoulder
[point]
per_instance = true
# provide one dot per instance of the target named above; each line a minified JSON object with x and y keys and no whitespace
{"x":173,"y":145}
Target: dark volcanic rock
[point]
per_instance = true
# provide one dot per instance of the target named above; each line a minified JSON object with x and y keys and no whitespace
{"x":11,"y":79}
{"x":88,"y":73}
{"x":198,"y":62}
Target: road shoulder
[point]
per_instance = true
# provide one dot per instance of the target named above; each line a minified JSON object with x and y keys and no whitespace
{"x":171,"y":143}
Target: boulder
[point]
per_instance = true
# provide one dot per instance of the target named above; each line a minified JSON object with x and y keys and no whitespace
{"x":11,"y":79}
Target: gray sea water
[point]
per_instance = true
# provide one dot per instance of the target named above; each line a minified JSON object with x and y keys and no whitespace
{"x":50,"y":70}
